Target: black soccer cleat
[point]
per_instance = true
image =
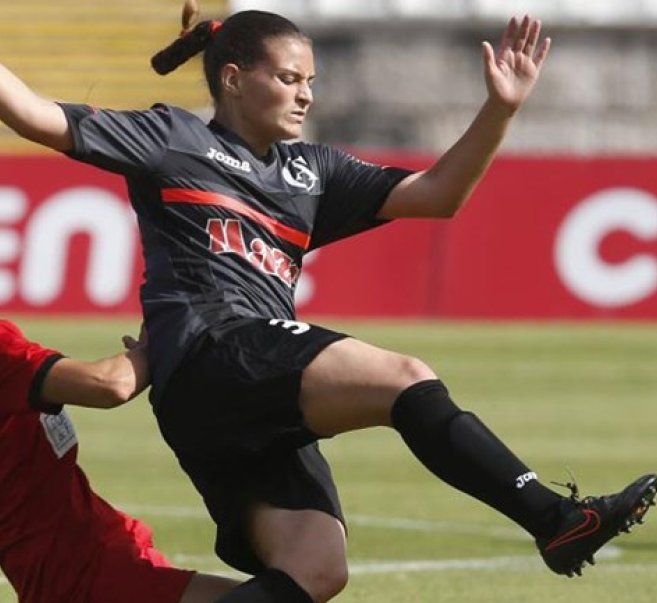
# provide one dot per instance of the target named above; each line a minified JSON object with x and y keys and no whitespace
{"x":588,"y":524}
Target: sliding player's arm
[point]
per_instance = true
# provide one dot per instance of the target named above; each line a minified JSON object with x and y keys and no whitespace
{"x":105,"y":383}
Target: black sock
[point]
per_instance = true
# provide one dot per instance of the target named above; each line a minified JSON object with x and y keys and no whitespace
{"x":459,"y":449}
{"x":272,"y":586}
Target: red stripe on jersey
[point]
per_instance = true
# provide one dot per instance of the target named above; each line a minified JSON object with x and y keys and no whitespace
{"x":182,"y":195}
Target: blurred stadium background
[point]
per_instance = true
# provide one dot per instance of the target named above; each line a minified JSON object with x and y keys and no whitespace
{"x":392,"y":72}
{"x":399,"y":80}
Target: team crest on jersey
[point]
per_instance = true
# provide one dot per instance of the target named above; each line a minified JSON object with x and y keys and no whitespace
{"x":297,"y":173}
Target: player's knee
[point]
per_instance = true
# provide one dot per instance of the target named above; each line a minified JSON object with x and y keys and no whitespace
{"x":413,"y":370}
{"x":324,"y":581}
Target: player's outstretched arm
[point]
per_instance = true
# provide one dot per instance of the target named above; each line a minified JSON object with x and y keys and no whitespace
{"x":30,"y":116}
{"x":105,"y":383}
{"x":510,"y":74}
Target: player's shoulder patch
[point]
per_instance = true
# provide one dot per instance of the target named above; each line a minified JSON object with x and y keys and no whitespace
{"x":60,"y":432}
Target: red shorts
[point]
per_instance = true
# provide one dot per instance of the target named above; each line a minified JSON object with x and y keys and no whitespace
{"x":133,"y":570}
{"x":123,"y":567}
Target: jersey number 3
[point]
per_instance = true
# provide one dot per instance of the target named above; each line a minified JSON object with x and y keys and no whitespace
{"x":295,"y":327}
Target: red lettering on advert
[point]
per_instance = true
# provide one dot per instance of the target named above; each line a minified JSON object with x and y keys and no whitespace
{"x":226,"y":236}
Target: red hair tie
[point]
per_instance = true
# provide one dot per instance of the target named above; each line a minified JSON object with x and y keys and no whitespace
{"x":215,"y":26}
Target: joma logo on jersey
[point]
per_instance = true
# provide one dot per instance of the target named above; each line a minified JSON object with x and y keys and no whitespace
{"x":228,"y":160}
{"x":226,"y":236}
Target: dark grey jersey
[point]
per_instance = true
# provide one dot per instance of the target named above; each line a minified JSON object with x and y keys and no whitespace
{"x":223,"y":231}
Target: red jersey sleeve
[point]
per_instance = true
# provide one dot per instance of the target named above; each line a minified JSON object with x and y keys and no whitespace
{"x":23,"y":367}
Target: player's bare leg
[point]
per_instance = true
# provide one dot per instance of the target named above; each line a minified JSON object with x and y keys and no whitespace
{"x":308,"y":545}
{"x":304,"y":552}
{"x":352,"y":385}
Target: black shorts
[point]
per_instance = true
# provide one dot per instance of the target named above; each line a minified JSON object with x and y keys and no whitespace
{"x":231,"y":415}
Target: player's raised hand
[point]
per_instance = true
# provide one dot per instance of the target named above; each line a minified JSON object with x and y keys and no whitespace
{"x":512,"y":72}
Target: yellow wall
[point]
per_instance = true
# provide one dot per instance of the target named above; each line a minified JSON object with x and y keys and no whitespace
{"x":97,"y":52}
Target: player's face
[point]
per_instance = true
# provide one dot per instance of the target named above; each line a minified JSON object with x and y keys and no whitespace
{"x":276,"y":93}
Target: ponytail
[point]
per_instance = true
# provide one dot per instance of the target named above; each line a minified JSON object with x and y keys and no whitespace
{"x":239,"y":40}
{"x":185,"y":47}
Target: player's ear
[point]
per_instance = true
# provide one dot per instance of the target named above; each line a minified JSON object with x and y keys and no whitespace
{"x":229,"y":79}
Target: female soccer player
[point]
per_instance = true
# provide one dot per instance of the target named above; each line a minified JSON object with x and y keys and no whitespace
{"x":242,"y":391}
{"x":59,"y":541}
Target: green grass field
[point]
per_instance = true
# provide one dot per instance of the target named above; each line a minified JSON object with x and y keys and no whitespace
{"x":561,"y":395}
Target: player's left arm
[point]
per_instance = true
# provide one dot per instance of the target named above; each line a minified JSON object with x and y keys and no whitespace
{"x":511,"y":74}
{"x":104,"y":383}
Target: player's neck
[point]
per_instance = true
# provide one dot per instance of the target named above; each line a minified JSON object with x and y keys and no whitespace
{"x":232,"y":121}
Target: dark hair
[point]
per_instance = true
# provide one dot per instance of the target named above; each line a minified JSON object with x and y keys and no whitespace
{"x":240,"y":40}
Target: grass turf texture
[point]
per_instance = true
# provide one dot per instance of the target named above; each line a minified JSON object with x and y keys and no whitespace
{"x":561,"y":395}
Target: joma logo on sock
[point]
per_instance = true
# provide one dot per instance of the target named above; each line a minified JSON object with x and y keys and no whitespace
{"x":524,"y":479}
